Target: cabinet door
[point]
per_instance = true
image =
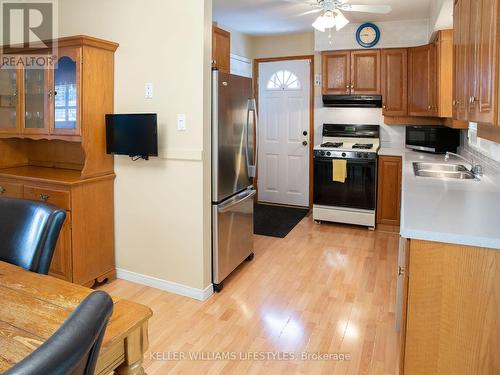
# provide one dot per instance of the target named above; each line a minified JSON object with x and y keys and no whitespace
{"x":395,"y":82}
{"x":221,"y":49}
{"x":483,"y":60}
{"x":66,"y":87}
{"x":444,"y":71}
{"x":10,"y":105}
{"x":460,"y":52}
{"x":61,"y":266}
{"x":37,"y":94}
{"x":389,"y":191}
{"x":365,"y":73}
{"x":422,"y":84}
{"x":336,"y":73}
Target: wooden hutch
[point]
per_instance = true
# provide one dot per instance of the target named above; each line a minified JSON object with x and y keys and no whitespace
{"x":53,"y":149}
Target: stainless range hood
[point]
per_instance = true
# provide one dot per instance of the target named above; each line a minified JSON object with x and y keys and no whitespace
{"x":352,"y":101}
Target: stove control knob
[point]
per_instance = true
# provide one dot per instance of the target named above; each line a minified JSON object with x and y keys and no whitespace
{"x":328,"y":153}
{"x":343,"y":154}
{"x":322,"y":153}
{"x":359,"y":155}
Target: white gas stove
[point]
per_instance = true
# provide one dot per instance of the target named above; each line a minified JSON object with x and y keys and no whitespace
{"x":352,"y":201}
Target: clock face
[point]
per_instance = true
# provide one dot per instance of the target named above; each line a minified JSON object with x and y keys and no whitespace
{"x":368,"y":35}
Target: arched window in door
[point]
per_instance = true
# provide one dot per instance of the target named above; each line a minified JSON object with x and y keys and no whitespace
{"x":283,"y":80}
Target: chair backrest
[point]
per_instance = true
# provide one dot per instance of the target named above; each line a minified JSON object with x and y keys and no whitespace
{"x":73,"y":349}
{"x":28,"y":233}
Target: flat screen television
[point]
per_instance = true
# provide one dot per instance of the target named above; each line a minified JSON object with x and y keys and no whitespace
{"x":135,"y":135}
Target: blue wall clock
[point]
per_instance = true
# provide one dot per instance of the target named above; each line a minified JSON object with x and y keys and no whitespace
{"x":368,"y":35}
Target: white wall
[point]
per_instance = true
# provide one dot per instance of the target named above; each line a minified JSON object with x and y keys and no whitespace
{"x":393,"y":34}
{"x":162,"y":207}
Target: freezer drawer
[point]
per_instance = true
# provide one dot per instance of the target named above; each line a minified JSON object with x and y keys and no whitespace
{"x":232,"y":233}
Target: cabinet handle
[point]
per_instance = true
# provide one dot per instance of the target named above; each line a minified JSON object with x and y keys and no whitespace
{"x":401,"y":271}
{"x":2,"y":190}
{"x":429,"y":107}
{"x":384,"y":107}
{"x":454,"y":103}
{"x":44,"y":197}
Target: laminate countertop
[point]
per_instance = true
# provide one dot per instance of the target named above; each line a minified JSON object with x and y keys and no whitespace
{"x":465,"y":212}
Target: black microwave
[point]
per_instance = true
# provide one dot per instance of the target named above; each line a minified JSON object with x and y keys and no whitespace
{"x":435,"y":139}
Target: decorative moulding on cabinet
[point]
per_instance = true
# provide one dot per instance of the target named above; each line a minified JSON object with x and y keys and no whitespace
{"x":168,"y":286}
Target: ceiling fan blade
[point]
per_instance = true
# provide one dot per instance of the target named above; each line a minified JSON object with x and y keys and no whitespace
{"x":381,"y":9}
{"x":309,"y":12}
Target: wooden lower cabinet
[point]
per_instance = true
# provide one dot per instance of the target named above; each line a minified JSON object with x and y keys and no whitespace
{"x":452,"y":313}
{"x":85,"y":250}
{"x":389,"y":193}
{"x":62,"y":261}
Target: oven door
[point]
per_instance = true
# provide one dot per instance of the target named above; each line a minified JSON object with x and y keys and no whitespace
{"x":358,"y":191}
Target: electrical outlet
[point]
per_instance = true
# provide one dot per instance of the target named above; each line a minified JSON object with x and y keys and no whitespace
{"x":181,"y":122}
{"x":148,"y":91}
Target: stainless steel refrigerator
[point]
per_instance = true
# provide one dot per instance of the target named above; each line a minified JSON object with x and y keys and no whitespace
{"x":233,"y":122}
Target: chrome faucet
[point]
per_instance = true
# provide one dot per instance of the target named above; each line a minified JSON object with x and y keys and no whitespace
{"x":476,"y":169}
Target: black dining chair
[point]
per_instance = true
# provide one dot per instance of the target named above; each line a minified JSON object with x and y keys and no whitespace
{"x":28,"y":233}
{"x":73,"y":349}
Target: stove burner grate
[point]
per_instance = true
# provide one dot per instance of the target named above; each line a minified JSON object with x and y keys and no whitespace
{"x":332,"y":144}
{"x":363,"y":146}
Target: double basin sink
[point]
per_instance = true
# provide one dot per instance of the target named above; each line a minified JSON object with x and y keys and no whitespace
{"x":437,"y":170}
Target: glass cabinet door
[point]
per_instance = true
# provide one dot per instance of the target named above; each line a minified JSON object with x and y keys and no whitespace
{"x":67,"y":92}
{"x":36,"y":98}
{"x":9,"y":100}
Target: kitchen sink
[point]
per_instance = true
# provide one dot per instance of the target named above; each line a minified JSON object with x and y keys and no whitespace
{"x":437,"y":170}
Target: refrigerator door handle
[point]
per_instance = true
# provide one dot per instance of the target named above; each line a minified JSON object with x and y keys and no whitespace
{"x":240,"y":198}
{"x":252,"y":108}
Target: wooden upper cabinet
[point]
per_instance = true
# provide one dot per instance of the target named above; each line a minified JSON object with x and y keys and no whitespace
{"x":394,"y":81}
{"x":65,"y":93}
{"x":483,"y":64}
{"x":460,"y":47}
{"x":336,"y":72}
{"x":422,"y":81}
{"x":221,"y":49}
{"x":36,"y":96}
{"x":444,"y":54}
{"x":11,"y":105}
{"x":365,"y":72}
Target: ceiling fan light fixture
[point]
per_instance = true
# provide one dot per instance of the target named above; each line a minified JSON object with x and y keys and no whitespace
{"x":340,"y":21}
{"x":329,"y":19}
{"x":319,"y":24}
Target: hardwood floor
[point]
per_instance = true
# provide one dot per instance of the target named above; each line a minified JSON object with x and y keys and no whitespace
{"x":324,"y":288}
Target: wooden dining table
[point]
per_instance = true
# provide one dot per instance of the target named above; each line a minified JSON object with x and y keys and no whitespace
{"x":33,"y":307}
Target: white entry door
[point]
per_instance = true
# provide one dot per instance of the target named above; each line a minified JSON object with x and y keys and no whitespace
{"x":283,"y":137}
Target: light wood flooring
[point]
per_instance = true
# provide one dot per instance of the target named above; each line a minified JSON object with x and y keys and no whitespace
{"x":324,"y":288}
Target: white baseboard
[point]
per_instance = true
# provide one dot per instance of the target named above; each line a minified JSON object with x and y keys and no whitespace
{"x":168,"y":286}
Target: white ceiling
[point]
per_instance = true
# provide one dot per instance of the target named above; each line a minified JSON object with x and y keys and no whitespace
{"x":264,"y":17}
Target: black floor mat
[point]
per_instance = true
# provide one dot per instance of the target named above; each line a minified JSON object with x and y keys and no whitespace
{"x":276,"y":221}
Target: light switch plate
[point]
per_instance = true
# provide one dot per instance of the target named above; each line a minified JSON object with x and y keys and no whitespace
{"x":181,"y":122}
{"x":148,"y":91}
{"x":317,"y":80}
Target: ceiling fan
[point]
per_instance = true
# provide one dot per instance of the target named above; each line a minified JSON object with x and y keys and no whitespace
{"x":332,"y":15}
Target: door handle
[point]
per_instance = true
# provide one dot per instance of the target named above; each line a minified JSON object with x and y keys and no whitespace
{"x":252,"y":167}
{"x":304,"y":143}
{"x":240,"y":198}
